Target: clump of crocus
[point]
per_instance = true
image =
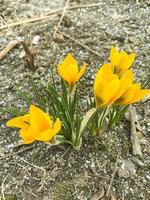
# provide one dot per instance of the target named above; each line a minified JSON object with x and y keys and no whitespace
{"x":110,"y":89}
{"x":36,"y":125}
{"x":121,"y":61}
{"x":68,"y":70}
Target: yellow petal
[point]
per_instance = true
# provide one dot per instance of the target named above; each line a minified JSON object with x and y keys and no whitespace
{"x":45,"y":136}
{"x":27,"y":134}
{"x":99,"y":84}
{"x":28,"y":141}
{"x":68,"y":70}
{"x":48,"y":134}
{"x":69,"y":60}
{"x":26,"y":118}
{"x":128,"y":96}
{"x":56,"y":126}
{"x":16,"y":122}
{"x":139,"y":95}
{"x":82,"y":70}
{"x":126,"y":62}
{"x":110,"y":92}
{"x":38,"y":121}
{"x":105,"y":72}
{"x":125,"y":82}
{"x":115,"y":57}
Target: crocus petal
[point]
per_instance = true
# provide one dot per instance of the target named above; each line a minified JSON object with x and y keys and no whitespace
{"x":69,"y":60}
{"x":132,"y":95}
{"x":110,"y":91}
{"x":140,"y":95}
{"x":27,"y":134}
{"x":48,"y":134}
{"x":16,"y":122}
{"x":126,"y":62}
{"x":125,"y":82}
{"x":38,"y":121}
{"x":105,"y":72}
{"x":45,"y":135}
{"x":28,"y":141}
{"x":129,"y":95}
{"x":82,"y":70}
{"x":68,"y":70}
{"x":56,"y":126}
{"x":115,"y":57}
{"x":99,"y":84}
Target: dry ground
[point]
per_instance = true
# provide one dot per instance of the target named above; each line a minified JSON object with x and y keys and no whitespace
{"x":52,"y":173}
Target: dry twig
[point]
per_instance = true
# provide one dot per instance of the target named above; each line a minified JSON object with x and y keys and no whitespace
{"x":82,"y":45}
{"x":136,"y":147}
{"x":44,"y":17}
{"x":8,"y":48}
{"x":30,"y":55}
{"x":113,"y":176}
{"x":62,"y":16}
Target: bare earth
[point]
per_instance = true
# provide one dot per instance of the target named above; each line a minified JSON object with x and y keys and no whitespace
{"x":59,"y":173}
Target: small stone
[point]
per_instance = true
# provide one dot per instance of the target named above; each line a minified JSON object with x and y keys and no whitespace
{"x":6,"y":165}
{"x":148,"y":177}
{"x":139,"y":134}
{"x":36,"y":39}
{"x":127,"y":169}
{"x":59,"y":38}
{"x":22,"y":53}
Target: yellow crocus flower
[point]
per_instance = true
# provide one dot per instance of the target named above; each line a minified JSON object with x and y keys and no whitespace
{"x":133,"y":94}
{"x":106,"y":86}
{"x":37,"y":125}
{"x":121,"y":61}
{"x":109,"y":89}
{"x":68,"y":70}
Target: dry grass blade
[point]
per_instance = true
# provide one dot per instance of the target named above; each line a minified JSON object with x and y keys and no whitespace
{"x":62,"y":16}
{"x":113,"y":176}
{"x":47,"y":16}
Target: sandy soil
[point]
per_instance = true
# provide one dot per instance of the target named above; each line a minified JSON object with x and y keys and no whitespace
{"x":57,"y":173}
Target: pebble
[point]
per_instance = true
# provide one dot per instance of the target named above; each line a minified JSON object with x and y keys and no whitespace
{"x":36,"y":40}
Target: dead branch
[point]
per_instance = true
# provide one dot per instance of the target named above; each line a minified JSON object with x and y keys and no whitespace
{"x":8,"y":48}
{"x":136,"y":147}
{"x":82,"y":45}
{"x":45,"y":17}
{"x":62,"y":16}
{"x":30,"y":56}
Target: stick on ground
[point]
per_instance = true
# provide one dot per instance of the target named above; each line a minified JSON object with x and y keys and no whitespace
{"x":62,"y":16}
{"x":8,"y":48}
{"x":82,"y":45}
{"x":47,"y":15}
{"x":136,"y":147}
{"x":113,"y":176}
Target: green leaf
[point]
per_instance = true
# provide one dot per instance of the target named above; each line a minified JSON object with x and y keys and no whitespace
{"x":87,"y":119}
{"x":24,"y":96}
{"x":12,"y":111}
{"x":60,"y":139}
{"x":37,"y":95}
